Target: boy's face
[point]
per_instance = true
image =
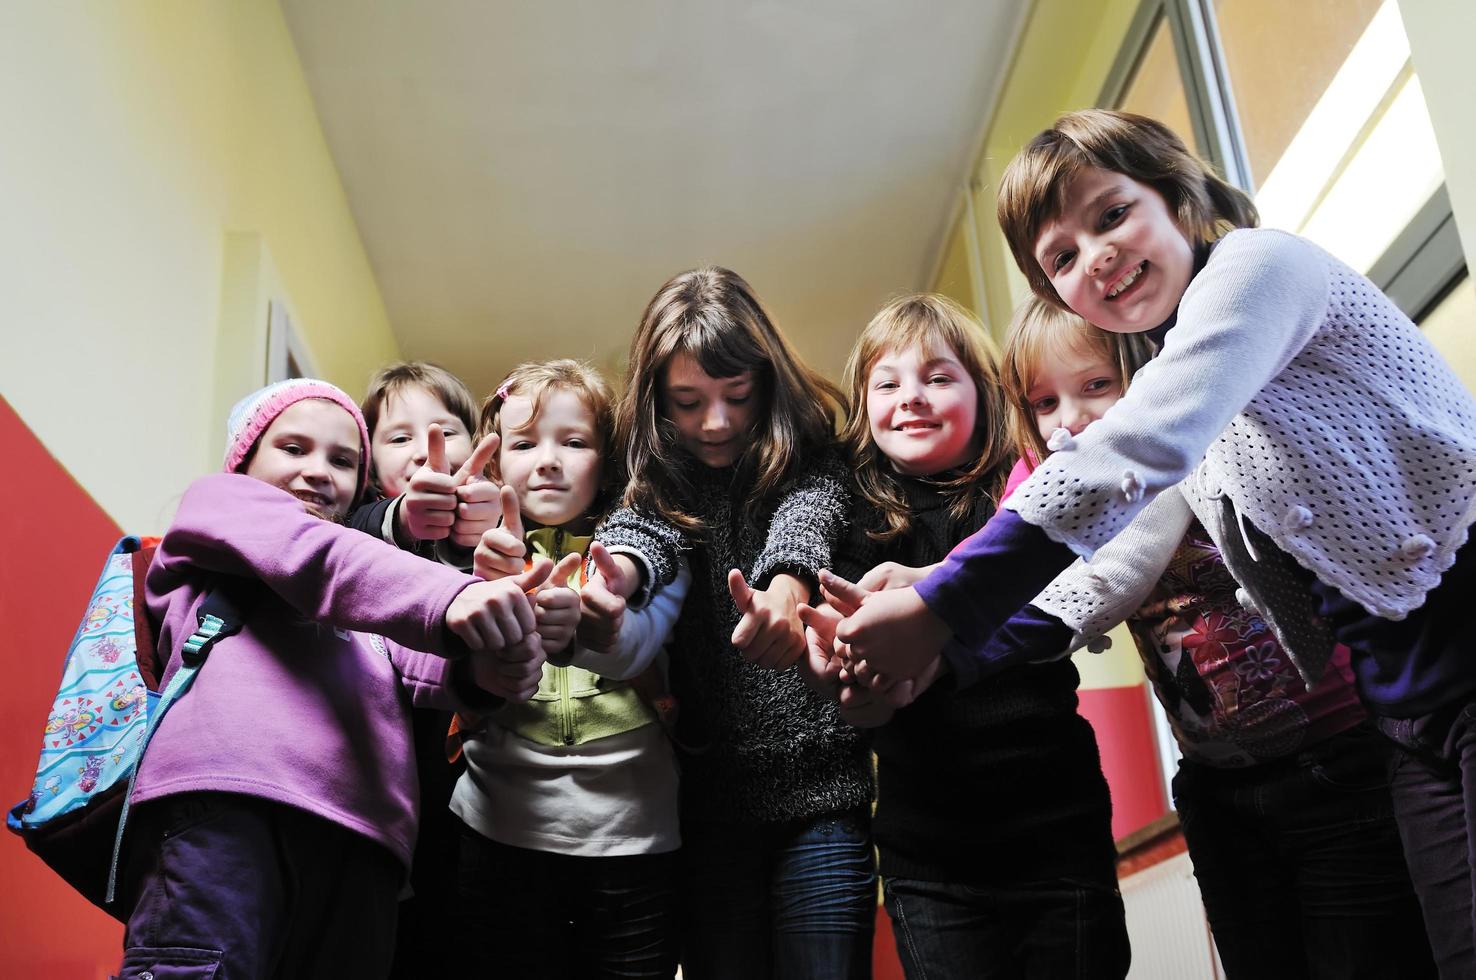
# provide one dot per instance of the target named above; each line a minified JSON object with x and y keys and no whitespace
{"x":311,"y":450}
{"x":399,"y":439}
{"x":1116,"y":254}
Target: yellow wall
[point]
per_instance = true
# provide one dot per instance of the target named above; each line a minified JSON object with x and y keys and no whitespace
{"x":163,"y":175}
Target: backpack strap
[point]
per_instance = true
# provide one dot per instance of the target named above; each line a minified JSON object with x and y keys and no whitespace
{"x":217,"y":618}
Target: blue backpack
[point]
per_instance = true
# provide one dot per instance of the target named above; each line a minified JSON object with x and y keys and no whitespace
{"x":106,"y":709}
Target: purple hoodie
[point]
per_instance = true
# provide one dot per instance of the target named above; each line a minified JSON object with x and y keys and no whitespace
{"x":295,"y":708}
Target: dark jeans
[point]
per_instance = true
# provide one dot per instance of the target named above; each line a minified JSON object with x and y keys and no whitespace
{"x":1435,"y":801}
{"x":1300,"y":864}
{"x":232,"y":888}
{"x":1064,"y":928}
{"x":531,"y":914}
{"x":792,"y":901}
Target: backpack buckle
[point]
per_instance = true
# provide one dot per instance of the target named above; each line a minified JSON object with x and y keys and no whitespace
{"x":198,"y":645}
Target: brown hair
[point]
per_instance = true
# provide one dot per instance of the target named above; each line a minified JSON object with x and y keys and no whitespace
{"x":1034,"y":186}
{"x":394,"y":378}
{"x":712,"y":315}
{"x":535,"y":379}
{"x":933,"y":323}
{"x":1038,"y":330}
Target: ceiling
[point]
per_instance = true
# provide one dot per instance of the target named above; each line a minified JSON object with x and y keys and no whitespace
{"x":526,"y":174}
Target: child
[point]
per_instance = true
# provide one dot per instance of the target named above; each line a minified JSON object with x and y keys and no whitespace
{"x":1283,"y":792}
{"x":569,"y":802}
{"x":1307,"y":419}
{"x":993,"y":819}
{"x":729,"y":444}
{"x":277,"y":799}
{"x":414,"y":411}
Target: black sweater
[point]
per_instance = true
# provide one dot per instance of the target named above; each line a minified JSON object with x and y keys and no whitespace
{"x":998,"y":782}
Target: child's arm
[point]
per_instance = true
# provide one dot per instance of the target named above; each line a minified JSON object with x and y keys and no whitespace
{"x":230,"y":524}
{"x":1256,"y":305}
{"x":651,"y":545}
{"x":642,"y":634}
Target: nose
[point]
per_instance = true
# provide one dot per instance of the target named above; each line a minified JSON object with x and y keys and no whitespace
{"x":913,"y":393}
{"x":421,"y":453}
{"x":548,"y":457}
{"x":315,"y":468}
{"x":1099,"y":255}
{"x":715,"y":419}
{"x":1075,"y":416}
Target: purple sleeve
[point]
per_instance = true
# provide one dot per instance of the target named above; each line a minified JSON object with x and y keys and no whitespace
{"x":989,"y":577}
{"x":1030,"y":634}
{"x":230,"y":524}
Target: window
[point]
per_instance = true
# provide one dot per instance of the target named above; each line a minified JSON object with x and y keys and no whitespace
{"x":287,"y":357}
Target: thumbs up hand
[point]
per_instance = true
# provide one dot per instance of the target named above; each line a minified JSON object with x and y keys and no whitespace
{"x":769,"y":632}
{"x":501,"y":549}
{"x":511,"y":673}
{"x":602,"y":601}
{"x":556,"y":606}
{"x":429,"y":507}
{"x":478,"y":504}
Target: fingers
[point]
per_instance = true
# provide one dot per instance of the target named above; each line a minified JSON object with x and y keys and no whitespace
{"x":738,"y":586}
{"x":512,"y":515}
{"x":604,"y":563}
{"x":559,"y":577}
{"x":841,"y":594}
{"x":476,"y":463}
{"x":536,"y":574}
{"x":822,"y":620}
{"x":435,"y":449}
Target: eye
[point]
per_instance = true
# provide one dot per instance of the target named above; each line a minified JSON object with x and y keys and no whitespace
{"x":399,"y":439}
{"x":1113,"y":215}
{"x":1061,"y":260}
{"x":738,"y":399}
{"x":685,"y":406}
{"x":1097,"y":386}
{"x":940,"y":379}
{"x":520,"y":445}
{"x":886,"y":385}
{"x":345,"y":462}
{"x":292,"y":449}
{"x":1043,"y":405}
{"x":577,"y":443}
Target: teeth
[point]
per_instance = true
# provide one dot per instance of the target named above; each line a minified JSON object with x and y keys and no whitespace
{"x":1126,"y":281}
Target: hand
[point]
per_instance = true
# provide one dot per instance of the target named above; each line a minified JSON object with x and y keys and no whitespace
{"x":429,"y":510}
{"x":478,"y":504}
{"x":512,"y":673}
{"x":821,"y":666}
{"x":892,"y":631}
{"x":769,"y":632}
{"x":556,"y":606}
{"x":891,"y":575}
{"x":501,"y":550}
{"x":494,"y":615}
{"x":602,"y":601}
{"x":864,"y":708}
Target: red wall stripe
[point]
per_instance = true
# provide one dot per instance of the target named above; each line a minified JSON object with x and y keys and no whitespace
{"x":1129,"y":754}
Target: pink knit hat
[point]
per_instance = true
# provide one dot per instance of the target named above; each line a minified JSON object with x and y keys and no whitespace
{"x":252,"y":414}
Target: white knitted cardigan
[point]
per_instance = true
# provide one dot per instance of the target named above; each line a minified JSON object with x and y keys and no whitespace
{"x":1292,"y":388}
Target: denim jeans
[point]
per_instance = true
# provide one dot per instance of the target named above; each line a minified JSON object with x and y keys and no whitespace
{"x":533,"y":915}
{"x":1064,"y":928}
{"x":235,"y":887}
{"x":1300,"y":864}
{"x":792,"y":901}
{"x":1435,"y":802}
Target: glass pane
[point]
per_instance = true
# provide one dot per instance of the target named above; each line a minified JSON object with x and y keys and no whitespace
{"x":1451,"y":327}
{"x":1157,"y":89}
{"x":1330,"y":107}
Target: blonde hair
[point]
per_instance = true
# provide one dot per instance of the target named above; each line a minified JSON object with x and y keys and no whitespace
{"x":535,"y":380}
{"x":395,"y":378}
{"x":1038,"y":332}
{"x":932,"y":323}
{"x":713,"y":315}
{"x":1033,"y":188}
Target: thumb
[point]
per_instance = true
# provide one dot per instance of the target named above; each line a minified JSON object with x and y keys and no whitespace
{"x":435,"y":449}
{"x":570,"y":563}
{"x":845,"y":596}
{"x":742,"y":594}
{"x":476,"y":463}
{"x":604,"y":563}
{"x":512,"y":515}
{"x":822,"y":620}
{"x":536,"y":575}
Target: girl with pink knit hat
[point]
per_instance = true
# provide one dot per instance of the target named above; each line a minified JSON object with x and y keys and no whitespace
{"x":276,"y":803}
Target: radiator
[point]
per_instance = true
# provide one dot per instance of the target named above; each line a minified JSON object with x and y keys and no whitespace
{"x":1166,"y":924}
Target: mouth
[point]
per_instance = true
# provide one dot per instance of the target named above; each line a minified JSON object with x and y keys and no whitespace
{"x":1128,"y":281}
{"x":917,"y":425}
{"x":548,"y":488}
{"x":312,"y":499}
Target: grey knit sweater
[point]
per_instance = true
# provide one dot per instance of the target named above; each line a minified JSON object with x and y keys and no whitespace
{"x":758,"y":745}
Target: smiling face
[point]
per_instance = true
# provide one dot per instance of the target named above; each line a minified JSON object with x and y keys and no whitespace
{"x":1116,"y":254}
{"x":923,"y":410}
{"x":552,"y":461}
{"x":399,"y":437}
{"x":1073,"y":389}
{"x":713,"y":416}
{"x":312,"y":451}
